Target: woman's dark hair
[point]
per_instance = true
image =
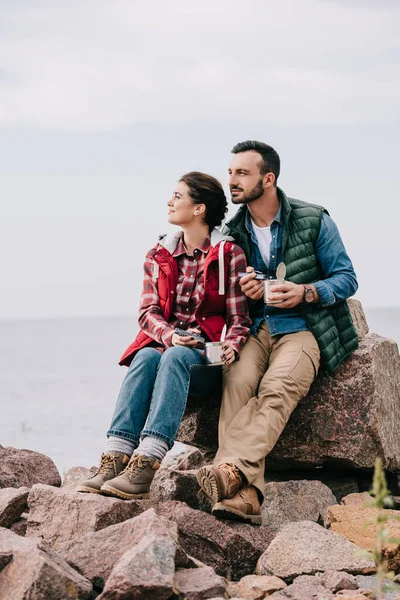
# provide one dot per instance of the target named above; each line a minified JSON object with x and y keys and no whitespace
{"x":204,"y":189}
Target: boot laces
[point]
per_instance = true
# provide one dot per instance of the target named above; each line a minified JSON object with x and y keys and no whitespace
{"x":107,"y":462}
{"x":136,"y":464}
{"x":231,"y":471}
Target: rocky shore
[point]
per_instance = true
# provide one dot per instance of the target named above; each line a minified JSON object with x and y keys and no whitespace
{"x":57,"y":544}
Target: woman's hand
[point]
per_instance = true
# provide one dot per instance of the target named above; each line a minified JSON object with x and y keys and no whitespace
{"x":186,"y":340}
{"x":228,"y":355}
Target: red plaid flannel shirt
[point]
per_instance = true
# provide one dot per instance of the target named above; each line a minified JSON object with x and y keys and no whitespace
{"x":189,"y":292}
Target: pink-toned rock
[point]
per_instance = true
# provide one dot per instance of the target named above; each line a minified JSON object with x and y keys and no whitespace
{"x":338,"y":580}
{"x":199,"y":584}
{"x":169,"y":484}
{"x":146,"y":570}
{"x":303,"y":591}
{"x":59,"y":516}
{"x":356,"y":499}
{"x":12,"y":504}
{"x":74,"y":476}
{"x":20,"y":525}
{"x":194,"y":459}
{"x":346,"y":421}
{"x":306,"y":548}
{"x":352,"y":419}
{"x":37,"y":573}
{"x":258,"y":587}
{"x":5,"y":558}
{"x":359,"y":318}
{"x":300,"y":500}
{"x":20,"y":468}
{"x":227,"y":546}
{"x":83,"y":553}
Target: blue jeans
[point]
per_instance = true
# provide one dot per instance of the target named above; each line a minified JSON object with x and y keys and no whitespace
{"x":153,"y":395}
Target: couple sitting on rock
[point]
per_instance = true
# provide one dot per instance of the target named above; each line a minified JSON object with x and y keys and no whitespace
{"x":272,"y":348}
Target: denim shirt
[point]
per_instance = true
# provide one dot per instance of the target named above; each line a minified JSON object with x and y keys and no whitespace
{"x":339,"y":281}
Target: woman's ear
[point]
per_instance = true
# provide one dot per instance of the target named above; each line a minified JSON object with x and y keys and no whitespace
{"x":200,"y":208}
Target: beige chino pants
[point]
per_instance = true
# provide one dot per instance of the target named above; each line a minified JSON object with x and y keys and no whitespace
{"x":260,"y":391}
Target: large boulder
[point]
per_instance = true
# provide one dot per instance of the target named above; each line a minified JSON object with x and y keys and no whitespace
{"x":344,"y":421}
{"x":288,"y":501}
{"x":306,"y":548}
{"x":20,"y":468}
{"x":230,"y":547}
{"x":37,"y":573}
{"x":58,"y":516}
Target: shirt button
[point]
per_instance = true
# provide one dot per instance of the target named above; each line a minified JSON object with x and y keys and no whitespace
{"x":273,"y":256}
{"x":187,"y":293}
{"x":203,"y":318}
{"x":270,"y":276}
{"x":267,"y":316}
{"x":172,"y":292}
{"x":187,"y":309}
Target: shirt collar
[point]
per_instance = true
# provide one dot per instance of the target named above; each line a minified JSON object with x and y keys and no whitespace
{"x":277,"y":219}
{"x":180,"y":249}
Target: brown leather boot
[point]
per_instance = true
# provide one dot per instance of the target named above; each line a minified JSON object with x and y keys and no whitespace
{"x":219,"y":482}
{"x":110,"y":466}
{"x":135,"y":480}
{"x":243,"y":506}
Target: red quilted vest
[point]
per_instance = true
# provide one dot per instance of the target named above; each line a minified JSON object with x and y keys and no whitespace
{"x":210,"y":314}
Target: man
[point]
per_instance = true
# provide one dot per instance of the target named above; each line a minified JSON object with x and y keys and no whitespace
{"x":308,"y":322}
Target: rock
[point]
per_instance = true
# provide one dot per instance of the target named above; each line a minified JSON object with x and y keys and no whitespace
{"x":289,"y":501}
{"x":20,"y":468}
{"x":146,"y":570}
{"x":258,"y":587}
{"x":74,"y":476}
{"x":12,"y":504}
{"x":84,"y":556}
{"x":356,"y":499}
{"x":358,"y":316}
{"x":369,"y":582}
{"x":199,"y":584}
{"x":338,"y":580}
{"x":37,"y":573}
{"x":230,"y":547}
{"x":306,"y":548}
{"x":341,"y":486}
{"x":169,"y":484}
{"x":311,"y":590}
{"x":350,"y":522}
{"x":194,"y":459}
{"x":345,"y":422}
{"x":57,"y":515}
{"x":352,"y":419}
{"x":20,"y":525}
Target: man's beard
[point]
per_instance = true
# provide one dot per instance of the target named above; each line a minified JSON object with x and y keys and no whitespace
{"x":252,"y":195}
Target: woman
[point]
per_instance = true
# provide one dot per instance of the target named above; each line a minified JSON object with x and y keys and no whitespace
{"x":190,"y":283}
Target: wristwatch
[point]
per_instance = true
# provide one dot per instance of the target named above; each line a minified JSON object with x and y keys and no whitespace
{"x":308,"y":295}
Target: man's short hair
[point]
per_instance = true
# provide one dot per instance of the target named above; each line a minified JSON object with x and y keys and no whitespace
{"x":270,"y":161}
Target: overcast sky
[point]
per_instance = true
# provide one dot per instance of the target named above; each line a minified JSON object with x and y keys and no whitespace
{"x":104,"y":105}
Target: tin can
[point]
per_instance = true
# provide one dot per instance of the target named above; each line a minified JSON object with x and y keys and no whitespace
{"x":213,"y":353}
{"x":268,"y":284}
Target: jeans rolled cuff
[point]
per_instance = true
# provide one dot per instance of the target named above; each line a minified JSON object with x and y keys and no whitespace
{"x":159,"y":436}
{"x":123,"y":434}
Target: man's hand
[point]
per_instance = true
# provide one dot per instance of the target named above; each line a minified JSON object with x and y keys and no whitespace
{"x":286,"y":295}
{"x":252,"y":288}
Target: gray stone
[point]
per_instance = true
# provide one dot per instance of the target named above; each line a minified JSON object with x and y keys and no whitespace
{"x":12,"y":504}
{"x":83,"y":553}
{"x":194,"y":459}
{"x":369,"y":582}
{"x":20,"y":468}
{"x":57,"y":515}
{"x":338,"y":580}
{"x":303,"y":591}
{"x":5,"y":558}
{"x":290,"y":501}
{"x":199,"y":584}
{"x":306,"y":548}
{"x":146,"y":570}
{"x":74,"y":476}
{"x":359,"y":318}
{"x":170,"y":484}
{"x":37,"y":573}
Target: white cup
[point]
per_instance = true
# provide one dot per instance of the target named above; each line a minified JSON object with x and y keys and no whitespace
{"x":268,"y":284}
{"x":214,"y":351}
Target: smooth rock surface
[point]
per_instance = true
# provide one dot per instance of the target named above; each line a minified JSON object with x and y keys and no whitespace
{"x":145,"y":571}
{"x":95,"y":554}
{"x":229,"y":547}
{"x":356,"y":499}
{"x":258,"y":587}
{"x":20,"y":468}
{"x":37,"y":573}
{"x":290,"y":501}
{"x":369,"y":582}
{"x":13,"y":502}
{"x":59,"y":516}
{"x":350,"y":522}
{"x":344,"y":422}
{"x":199,"y":584}
{"x":306,"y":548}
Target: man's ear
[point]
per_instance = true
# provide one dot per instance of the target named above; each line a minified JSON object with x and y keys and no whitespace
{"x":269,"y":180}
